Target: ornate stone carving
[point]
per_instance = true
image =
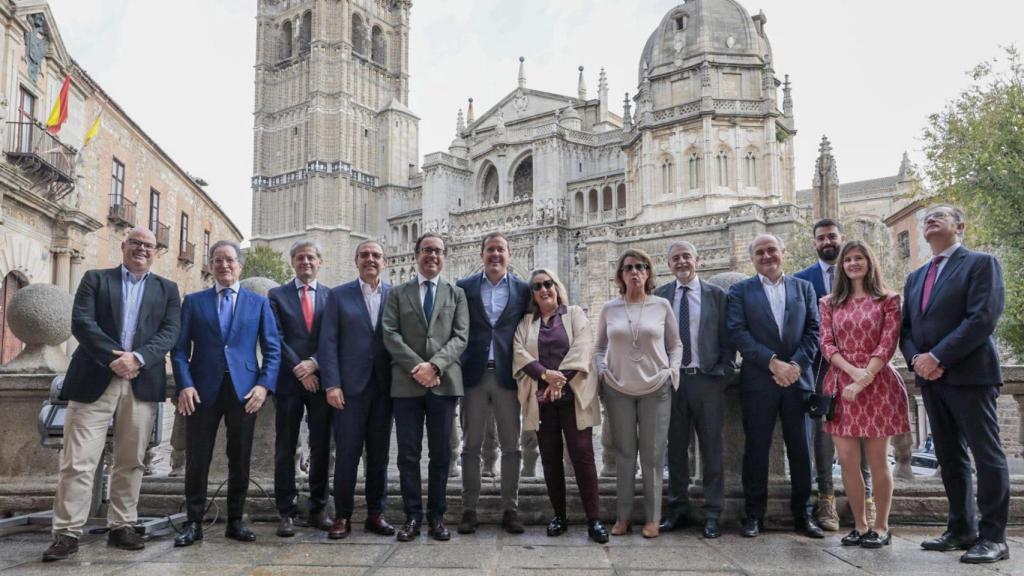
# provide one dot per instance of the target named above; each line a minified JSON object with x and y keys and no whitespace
{"x":37,"y":43}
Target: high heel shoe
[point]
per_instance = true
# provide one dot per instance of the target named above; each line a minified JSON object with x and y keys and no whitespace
{"x":621,"y":529}
{"x":875,"y":540}
{"x":650,"y":530}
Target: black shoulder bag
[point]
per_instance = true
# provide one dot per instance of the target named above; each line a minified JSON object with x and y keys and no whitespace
{"x":822,"y":405}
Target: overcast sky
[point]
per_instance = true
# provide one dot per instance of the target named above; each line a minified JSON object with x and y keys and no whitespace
{"x":866,"y":73}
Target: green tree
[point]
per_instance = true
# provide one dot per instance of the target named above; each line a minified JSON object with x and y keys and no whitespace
{"x":266,"y":262}
{"x":975,"y":151}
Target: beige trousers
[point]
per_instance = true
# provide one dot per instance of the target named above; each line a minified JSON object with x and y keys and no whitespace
{"x":85,"y":433}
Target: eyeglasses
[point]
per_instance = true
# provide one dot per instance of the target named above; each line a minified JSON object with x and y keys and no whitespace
{"x":431,"y":251}
{"x":537,"y":286}
{"x":228,"y":261}
{"x":148,"y":246}
{"x":366,"y":255}
{"x":627,"y":268}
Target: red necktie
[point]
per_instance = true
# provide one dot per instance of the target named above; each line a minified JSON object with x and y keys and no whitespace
{"x":929,"y":281}
{"x":307,"y":309}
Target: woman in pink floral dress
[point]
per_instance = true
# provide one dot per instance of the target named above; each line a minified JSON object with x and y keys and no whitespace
{"x":860,"y":328}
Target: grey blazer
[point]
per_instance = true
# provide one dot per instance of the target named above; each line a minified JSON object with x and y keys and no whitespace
{"x":410,"y":340}
{"x":717,"y":355}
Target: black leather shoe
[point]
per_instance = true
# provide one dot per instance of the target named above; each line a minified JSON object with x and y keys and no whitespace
{"x":320,"y":521}
{"x":597,"y":532}
{"x":191,"y":532}
{"x":469,"y":523}
{"x":286,"y":527}
{"x":670,"y":524}
{"x":237,"y":531}
{"x":711,"y":529}
{"x":950,"y":541}
{"x":510,"y":522}
{"x":852,"y":539}
{"x":63,"y":547}
{"x":751,"y":527}
{"x":125,"y":538}
{"x":808,"y":527}
{"x":409,"y":531}
{"x":378,"y":525}
{"x":875,"y":540}
{"x":558,"y":526}
{"x":986,"y":552}
{"x":438,"y":531}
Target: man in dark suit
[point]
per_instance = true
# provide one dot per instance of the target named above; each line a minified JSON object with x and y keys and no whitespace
{"x":426,"y":326}
{"x":126,"y":319}
{"x":708,"y":361}
{"x":950,"y":310}
{"x":497,"y":301}
{"x":356,"y":373}
{"x":773,"y":321}
{"x":298,"y":307}
{"x":828,"y":239}
{"x":218,"y":375}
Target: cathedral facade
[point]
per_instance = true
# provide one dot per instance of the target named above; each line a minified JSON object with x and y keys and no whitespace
{"x":702,"y":151}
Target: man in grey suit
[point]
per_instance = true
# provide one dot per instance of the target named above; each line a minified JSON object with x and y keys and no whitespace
{"x":708,"y":360}
{"x":426,"y":328}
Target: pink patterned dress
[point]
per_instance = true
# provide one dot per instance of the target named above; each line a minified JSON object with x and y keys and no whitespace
{"x":864,"y":328}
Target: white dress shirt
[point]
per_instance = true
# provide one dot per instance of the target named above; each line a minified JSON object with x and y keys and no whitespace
{"x":693,"y":301}
{"x":423,"y":286}
{"x":776,"y":294}
{"x":311,"y":294}
{"x":371,"y":296}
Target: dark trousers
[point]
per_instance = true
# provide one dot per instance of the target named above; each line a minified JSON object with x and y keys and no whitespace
{"x":558,"y":420}
{"x":760,"y":410}
{"x":287,"y":423}
{"x":698,"y":403}
{"x":963,"y":417}
{"x":365,"y":421}
{"x":200,"y":433}
{"x":410,"y":414}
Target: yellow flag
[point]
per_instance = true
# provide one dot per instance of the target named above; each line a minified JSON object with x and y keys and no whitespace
{"x":93,"y":130}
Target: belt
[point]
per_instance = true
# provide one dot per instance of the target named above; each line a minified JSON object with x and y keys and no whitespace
{"x":690,"y":371}
{"x":490,"y":364}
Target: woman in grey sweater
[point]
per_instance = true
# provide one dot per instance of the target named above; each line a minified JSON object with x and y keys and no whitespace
{"x":637,"y":357}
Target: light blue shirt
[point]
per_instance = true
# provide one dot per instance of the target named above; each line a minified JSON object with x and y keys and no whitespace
{"x":132,"y":290}
{"x":495,"y":298}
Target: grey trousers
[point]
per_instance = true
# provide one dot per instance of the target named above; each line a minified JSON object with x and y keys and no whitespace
{"x":698,"y":403}
{"x":638,"y":424}
{"x":488,"y":396}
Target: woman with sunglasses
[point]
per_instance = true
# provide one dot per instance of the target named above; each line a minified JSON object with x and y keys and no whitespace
{"x":551,"y":360}
{"x":637,"y":357}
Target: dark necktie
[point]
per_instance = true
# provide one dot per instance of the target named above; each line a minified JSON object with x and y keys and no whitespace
{"x":428,"y":301}
{"x":684,"y":326}
{"x":225,"y":312}
{"x":831,"y":275}
{"x":929,"y":281}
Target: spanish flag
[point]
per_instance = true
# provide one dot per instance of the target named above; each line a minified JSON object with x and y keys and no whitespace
{"x":59,"y":114}
{"x":93,"y":130}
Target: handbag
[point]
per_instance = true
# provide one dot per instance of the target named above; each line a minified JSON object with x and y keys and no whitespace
{"x":822,"y":405}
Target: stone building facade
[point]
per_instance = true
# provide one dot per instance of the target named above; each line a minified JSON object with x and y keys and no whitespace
{"x":702,"y":151}
{"x":66,"y":208}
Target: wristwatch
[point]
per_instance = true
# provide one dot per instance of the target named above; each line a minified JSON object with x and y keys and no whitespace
{"x":544,"y":376}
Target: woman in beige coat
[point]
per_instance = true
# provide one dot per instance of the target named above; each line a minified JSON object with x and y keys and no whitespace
{"x":552,"y":352}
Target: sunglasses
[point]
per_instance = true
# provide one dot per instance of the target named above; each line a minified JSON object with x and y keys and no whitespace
{"x":545,"y":284}
{"x":638,"y":267}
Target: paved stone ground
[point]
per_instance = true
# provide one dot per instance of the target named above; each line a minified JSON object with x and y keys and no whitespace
{"x":491,"y":551}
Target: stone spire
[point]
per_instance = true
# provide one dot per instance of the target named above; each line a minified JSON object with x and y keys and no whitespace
{"x":627,"y":119}
{"x":460,"y":125}
{"x":522,"y":72}
{"x":581,"y":87}
{"x":906,"y":168}
{"x":826,"y":183}
{"x":602,"y":97}
{"x":470,"y":115}
{"x":787,"y":98}
{"x":643,"y":97}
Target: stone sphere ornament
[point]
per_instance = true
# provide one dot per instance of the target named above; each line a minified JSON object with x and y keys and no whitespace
{"x":258,"y":284}
{"x":40,"y":316}
{"x":725,"y":280}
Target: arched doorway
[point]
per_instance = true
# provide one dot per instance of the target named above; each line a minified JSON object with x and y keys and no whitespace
{"x":10,"y":345}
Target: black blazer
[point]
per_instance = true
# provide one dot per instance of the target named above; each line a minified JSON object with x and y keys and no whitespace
{"x":297,"y":343}
{"x":481,"y":333}
{"x":958,"y":325}
{"x":96,"y":324}
{"x":717,"y":355}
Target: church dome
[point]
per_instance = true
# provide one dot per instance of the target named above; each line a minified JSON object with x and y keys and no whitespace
{"x":701,"y":27}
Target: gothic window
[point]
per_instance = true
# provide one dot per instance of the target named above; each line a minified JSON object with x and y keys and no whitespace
{"x":415,"y":231}
{"x":751,"y":161}
{"x":285,"y":45}
{"x":722,"y":169}
{"x":592,"y":197}
{"x":358,"y":35}
{"x":522,"y":181}
{"x":405,"y":234}
{"x":305,"y":32}
{"x":606,"y":198}
{"x":394,"y":235}
{"x":489,"y":194}
{"x":696,"y":172}
{"x":666,"y":176}
{"x":903,"y":241}
{"x":620,"y":196}
{"x":681,"y":21}
{"x":579,"y":203}
{"x":377,"y":46}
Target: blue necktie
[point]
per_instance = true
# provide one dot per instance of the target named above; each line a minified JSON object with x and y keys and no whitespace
{"x":428,"y":301}
{"x":225,"y":312}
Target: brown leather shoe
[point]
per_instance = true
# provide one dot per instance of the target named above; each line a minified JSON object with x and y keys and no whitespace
{"x":340,"y":529}
{"x":125,"y":538}
{"x":321,"y":521}
{"x":510,"y":522}
{"x":378,"y":525}
{"x":62,"y":548}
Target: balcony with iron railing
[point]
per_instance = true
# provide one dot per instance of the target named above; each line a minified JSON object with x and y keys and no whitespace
{"x":187,"y":252}
{"x":122,"y":211}
{"x":163,"y":235}
{"x":42,"y":156}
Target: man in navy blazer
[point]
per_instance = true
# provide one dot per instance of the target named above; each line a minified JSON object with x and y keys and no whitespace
{"x":218,"y":375}
{"x":497,"y":301}
{"x":298,"y":306}
{"x":355,"y":370}
{"x":773,"y":320}
{"x":950,"y":309}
